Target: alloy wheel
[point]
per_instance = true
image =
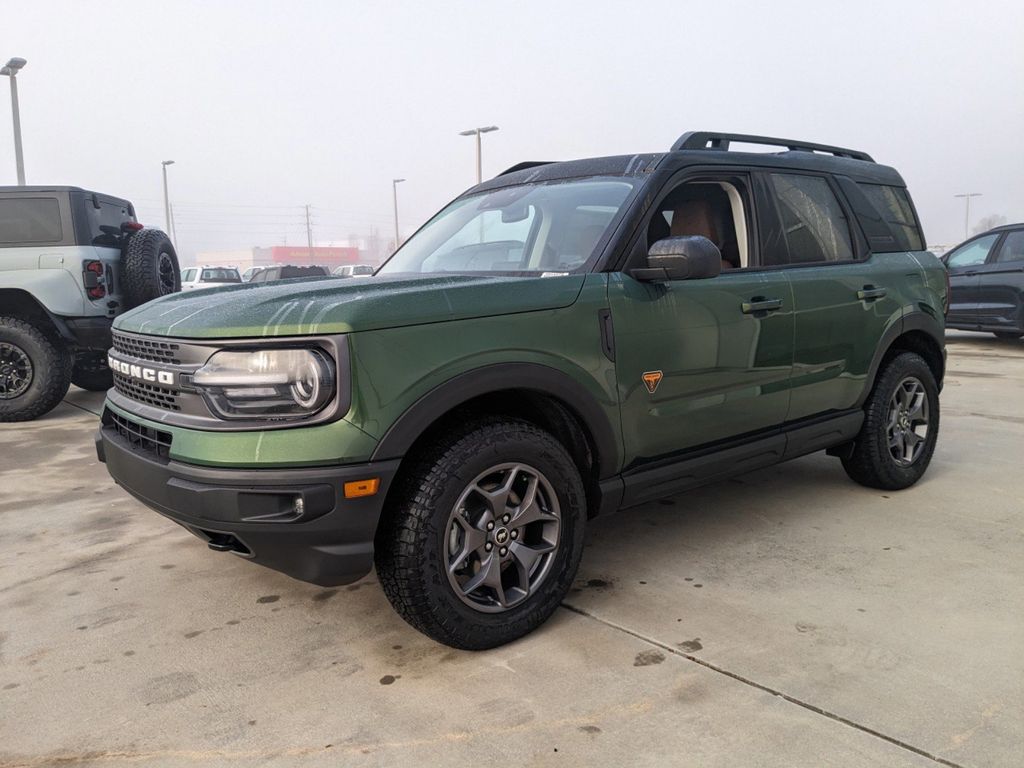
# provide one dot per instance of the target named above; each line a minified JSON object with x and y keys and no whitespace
{"x":15,"y":371}
{"x":907,"y":423}
{"x":502,"y":537}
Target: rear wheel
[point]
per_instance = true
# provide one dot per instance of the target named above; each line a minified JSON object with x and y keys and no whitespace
{"x":483,"y":537}
{"x":91,"y":372}
{"x":901,"y":425}
{"x":35,"y":370}
{"x":1007,"y":334}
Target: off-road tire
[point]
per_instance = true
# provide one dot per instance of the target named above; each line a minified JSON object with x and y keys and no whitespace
{"x":871,"y":464}
{"x":409,"y":543}
{"x":51,"y":369}
{"x":91,"y":372}
{"x":149,"y":267}
{"x":1008,"y":335}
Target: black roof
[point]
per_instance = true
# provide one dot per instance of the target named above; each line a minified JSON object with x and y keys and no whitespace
{"x":707,"y":148}
{"x":37,"y":189}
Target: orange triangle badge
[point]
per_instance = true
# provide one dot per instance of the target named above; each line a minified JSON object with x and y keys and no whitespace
{"x":651,"y":380}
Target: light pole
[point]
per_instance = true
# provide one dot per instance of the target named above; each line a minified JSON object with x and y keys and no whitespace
{"x":967,"y":212}
{"x":476,"y":132}
{"x":167,"y":202}
{"x":394,"y":195}
{"x":11,"y":70}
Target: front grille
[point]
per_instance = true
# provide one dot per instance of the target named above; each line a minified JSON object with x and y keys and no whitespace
{"x":147,"y":349}
{"x":150,"y":394}
{"x":140,"y":438}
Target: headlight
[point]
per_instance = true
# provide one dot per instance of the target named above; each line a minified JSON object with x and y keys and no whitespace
{"x":269,"y":383}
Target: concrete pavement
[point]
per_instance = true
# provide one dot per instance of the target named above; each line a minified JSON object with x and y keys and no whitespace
{"x":784,"y":618}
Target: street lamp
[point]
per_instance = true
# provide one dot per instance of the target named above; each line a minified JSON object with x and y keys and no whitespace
{"x":167,"y":202}
{"x":394,"y":194}
{"x":967,"y":213}
{"x":11,"y":71}
{"x":476,"y":132}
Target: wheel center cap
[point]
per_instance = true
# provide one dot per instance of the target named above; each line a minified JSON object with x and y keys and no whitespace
{"x":501,"y":535}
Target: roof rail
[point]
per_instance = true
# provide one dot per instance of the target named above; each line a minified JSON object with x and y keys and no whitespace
{"x":720,"y":141}
{"x":524,"y":165}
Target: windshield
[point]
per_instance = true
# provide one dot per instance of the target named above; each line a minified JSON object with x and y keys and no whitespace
{"x":528,"y":228}
{"x":220,"y":276}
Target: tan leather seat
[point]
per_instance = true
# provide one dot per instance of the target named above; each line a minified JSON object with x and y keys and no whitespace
{"x":697,"y":218}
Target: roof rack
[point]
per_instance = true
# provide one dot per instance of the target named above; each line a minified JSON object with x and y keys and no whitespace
{"x":524,"y":165}
{"x":720,"y":141}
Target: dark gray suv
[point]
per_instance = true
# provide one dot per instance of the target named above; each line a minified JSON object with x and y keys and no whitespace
{"x":986,"y":277}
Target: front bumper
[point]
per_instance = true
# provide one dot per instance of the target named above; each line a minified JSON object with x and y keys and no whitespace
{"x":325,"y":540}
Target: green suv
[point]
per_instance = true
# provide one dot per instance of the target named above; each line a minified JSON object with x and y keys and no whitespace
{"x":562,"y":341}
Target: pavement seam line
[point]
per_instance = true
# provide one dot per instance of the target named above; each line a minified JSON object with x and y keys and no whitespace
{"x":767,"y":689}
{"x":79,"y":407}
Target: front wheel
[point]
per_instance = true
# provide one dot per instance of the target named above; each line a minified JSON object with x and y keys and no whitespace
{"x":484,"y":534}
{"x":901,"y":425}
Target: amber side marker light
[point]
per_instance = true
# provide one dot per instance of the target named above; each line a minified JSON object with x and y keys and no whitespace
{"x":358,"y":488}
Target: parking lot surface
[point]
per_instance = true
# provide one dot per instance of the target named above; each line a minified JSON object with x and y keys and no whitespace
{"x":784,"y":618}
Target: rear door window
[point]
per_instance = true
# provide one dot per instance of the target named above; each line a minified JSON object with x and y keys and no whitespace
{"x":893,"y":205}
{"x":1012,"y":249}
{"x":105,"y":222}
{"x":816,"y":228}
{"x":30,"y":220}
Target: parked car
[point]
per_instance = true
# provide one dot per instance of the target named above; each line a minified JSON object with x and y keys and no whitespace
{"x":287,"y":272}
{"x":354,"y":270}
{"x":986,"y":277}
{"x":561,"y":341}
{"x":70,"y":261}
{"x":208,"y":277}
{"x":248,"y":274}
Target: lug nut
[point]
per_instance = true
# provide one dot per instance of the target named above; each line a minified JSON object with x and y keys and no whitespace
{"x":503,"y":551}
{"x":515,"y":534}
{"x":488,"y":546}
{"x":506,"y":518}
{"x":490,"y":526}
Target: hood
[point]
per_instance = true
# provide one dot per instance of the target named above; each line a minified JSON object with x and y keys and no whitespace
{"x":328,"y":305}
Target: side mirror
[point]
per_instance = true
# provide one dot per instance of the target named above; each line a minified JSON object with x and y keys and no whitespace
{"x":680,"y":258}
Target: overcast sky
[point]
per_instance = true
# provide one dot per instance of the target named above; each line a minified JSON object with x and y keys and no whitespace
{"x":267,"y":106}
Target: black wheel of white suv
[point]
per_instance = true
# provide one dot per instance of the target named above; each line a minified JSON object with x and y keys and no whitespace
{"x":91,"y":372}
{"x":483,"y":534}
{"x":901,"y":425}
{"x":35,"y":370}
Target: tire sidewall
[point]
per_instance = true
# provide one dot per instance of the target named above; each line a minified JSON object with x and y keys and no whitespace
{"x":51,"y":371}
{"x":904,"y":366}
{"x":550,"y":459}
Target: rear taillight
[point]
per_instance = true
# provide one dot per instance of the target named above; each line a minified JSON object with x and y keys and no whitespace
{"x":93,"y":279}
{"x":131,"y":226}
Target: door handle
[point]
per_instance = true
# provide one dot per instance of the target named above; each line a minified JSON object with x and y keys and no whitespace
{"x":870,"y":293}
{"x":970,"y":272}
{"x":760,"y":304}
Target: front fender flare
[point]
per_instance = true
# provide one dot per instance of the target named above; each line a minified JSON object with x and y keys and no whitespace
{"x":496,"y":378}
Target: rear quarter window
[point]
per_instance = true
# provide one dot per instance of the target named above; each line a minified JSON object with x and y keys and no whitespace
{"x":30,"y":220}
{"x":893,"y":205}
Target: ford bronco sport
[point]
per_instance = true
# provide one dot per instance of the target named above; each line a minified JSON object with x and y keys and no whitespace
{"x":562,"y":341}
{"x":70,"y":261}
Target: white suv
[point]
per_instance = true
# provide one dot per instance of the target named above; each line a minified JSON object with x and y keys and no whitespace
{"x":208,"y":276}
{"x":70,"y":261}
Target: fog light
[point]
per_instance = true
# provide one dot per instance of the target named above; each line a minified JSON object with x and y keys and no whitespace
{"x":357,"y":488}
